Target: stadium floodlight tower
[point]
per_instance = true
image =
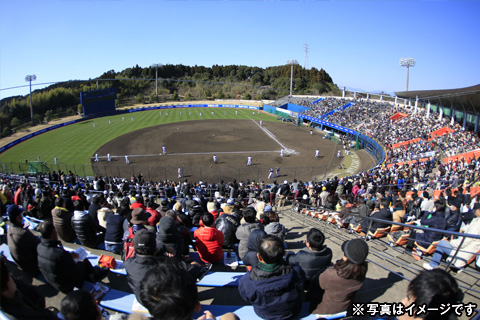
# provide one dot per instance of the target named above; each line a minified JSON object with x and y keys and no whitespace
{"x":31,"y":78}
{"x":292,"y":63}
{"x":156,"y":66}
{"x":407,"y":62}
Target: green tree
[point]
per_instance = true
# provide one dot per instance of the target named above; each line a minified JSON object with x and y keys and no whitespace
{"x":15,"y":122}
{"x":175,"y":96}
{"x":139,"y":98}
{"x":48,"y":115}
{"x":246,"y":96}
{"x":37,"y":119}
{"x":188,"y":97}
{"x":80,"y":109}
{"x":207,"y":93}
{"x":152,"y":97}
{"x":220,"y":94}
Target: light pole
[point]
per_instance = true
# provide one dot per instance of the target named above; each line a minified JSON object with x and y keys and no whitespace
{"x":156,"y":66}
{"x":407,"y":62}
{"x":291,"y":62}
{"x":31,"y":78}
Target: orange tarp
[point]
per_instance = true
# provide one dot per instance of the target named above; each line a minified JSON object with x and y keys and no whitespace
{"x":467,"y":156}
{"x":396,"y":145}
{"x":440,"y":132}
{"x":473,"y":192}
{"x":409,"y":162}
{"x":398,"y":116}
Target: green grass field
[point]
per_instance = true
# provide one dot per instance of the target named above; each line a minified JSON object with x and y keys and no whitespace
{"x":76,"y":144}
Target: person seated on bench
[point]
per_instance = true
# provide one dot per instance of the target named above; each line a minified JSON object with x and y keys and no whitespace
{"x":274,"y":288}
{"x":431,"y":291}
{"x":384,"y":214}
{"x":469,"y":247}
{"x":315,"y":258}
{"x":58,"y":265}
{"x":335,"y":289}
{"x":22,"y":243}
{"x":149,"y":252}
{"x":435,"y":220}
{"x":251,"y":257}
{"x":88,"y":231}
{"x":168,"y":291}
{"x":209,"y":240}
{"x":20,"y":300}
{"x":79,"y":305}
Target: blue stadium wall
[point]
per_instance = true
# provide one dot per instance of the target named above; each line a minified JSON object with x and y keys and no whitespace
{"x":375,"y":149}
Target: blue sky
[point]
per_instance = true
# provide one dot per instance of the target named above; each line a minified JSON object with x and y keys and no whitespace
{"x":359,"y":43}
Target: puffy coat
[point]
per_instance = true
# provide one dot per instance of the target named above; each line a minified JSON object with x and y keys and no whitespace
{"x":58,"y":266}
{"x":243,"y":232}
{"x":452,"y":218}
{"x":22,"y":244}
{"x":228,"y":224}
{"x":311,"y":262}
{"x":62,"y":220}
{"x":168,"y":234}
{"x":85,"y":229}
{"x":208,"y":242}
{"x":274,"y":295}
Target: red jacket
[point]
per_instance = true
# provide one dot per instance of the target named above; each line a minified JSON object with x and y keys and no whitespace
{"x":136,"y":205}
{"x":209,"y":243}
{"x":154,"y":216}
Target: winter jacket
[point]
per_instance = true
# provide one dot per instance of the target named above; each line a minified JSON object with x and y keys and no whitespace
{"x":85,"y":228}
{"x":155,"y":216}
{"x":338,"y":293}
{"x":251,"y":258}
{"x":168,"y":234}
{"x":274,"y":295}
{"x":137,"y":268}
{"x":208,"y":242}
{"x":243,"y":232}
{"x":228,"y":224}
{"x":311,"y":262}
{"x":276,"y":229}
{"x":469,"y":247}
{"x":22,"y":244}
{"x":27,"y":304}
{"x":114,"y":231}
{"x":434,"y":220}
{"x":62,"y":220}
{"x":58,"y":266}
{"x":451,"y":219}
{"x":383,"y":214}
{"x":398,"y":215}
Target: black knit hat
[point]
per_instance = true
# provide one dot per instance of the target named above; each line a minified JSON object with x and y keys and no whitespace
{"x":356,"y":250}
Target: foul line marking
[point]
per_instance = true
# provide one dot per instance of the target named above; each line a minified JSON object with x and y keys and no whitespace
{"x":274,"y":138}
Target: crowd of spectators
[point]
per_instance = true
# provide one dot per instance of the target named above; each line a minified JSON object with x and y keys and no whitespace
{"x":240,"y":217}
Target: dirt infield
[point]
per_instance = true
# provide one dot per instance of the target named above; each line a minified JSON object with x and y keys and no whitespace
{"x":192,"y":144}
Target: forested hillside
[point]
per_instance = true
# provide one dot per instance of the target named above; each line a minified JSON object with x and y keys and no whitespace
{"x":176,"y":83}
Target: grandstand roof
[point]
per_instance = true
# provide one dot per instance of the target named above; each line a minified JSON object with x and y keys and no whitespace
{"x":462,"y":99}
